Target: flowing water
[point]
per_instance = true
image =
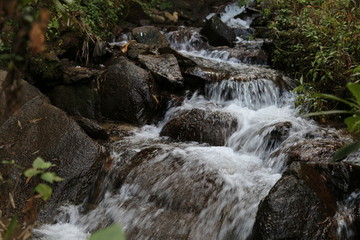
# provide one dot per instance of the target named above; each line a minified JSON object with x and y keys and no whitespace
{"x":162,"y":189}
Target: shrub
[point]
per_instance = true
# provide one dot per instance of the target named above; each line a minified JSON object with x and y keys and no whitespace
{"x":318,"y":41}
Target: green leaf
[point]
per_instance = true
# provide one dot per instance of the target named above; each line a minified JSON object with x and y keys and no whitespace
{"x":44,"y":190}
{"x":329,"y":96}
{"x":41,"y":164}
{"x":31,"y":172}
{"x":112,"y":232}
{"x":50,"y":177}
{"x":10,"y":228}
{"x":327,"y":113}
{"x":343,"y":152}
{"x":8,"y":162}
{"x":353,"y":123}
{"x":355,"y":90}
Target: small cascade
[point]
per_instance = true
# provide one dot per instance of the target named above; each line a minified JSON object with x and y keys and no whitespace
{"x":229,"y":14}
{"x":345,"y":217}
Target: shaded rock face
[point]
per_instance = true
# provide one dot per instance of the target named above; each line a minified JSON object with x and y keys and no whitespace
{"x":81,"y":99}
{"x":126,"y":93}
{"x":165,"y":67}
{"x":91,"y":128}
{"x":201,"y":126}
{"x":150,"y":35}
{"x":25,"y":93}
{"x":40,"y":129}
{"x":307,"y":200}
{"x":218,"y":33}
{"x":45,"y":71}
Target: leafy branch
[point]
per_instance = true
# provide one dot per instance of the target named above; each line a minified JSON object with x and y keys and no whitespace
{"x":38,"y":168}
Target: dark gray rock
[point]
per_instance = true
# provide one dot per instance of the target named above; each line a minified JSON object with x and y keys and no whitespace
{"x":218,"y":33}
{"x":127,"y":93}
{"x":304,"y":202}
{"x":165,"y":68}
{"x":201,"y":126}
{"x":150,"y":35}
{"x":91,"y":128}
{"x":81,"y":99}
{"x":313,"y":150}
{"x":40,"y":129}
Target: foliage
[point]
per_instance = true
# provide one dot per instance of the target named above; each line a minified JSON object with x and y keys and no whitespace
{"x":38,"y":168}
{"x":112,"y":232}
{"x":352,"y":122}
{"x":318,"y":40}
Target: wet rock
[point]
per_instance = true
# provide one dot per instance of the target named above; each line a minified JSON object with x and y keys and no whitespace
{"x":40,"y":129}
{"x":150,"y":35}
{"x":91,"y":128}
{"x":245,"y":55}
{"x":78,"y":75}
{"x":305,"y":200}
{"x":201,"y":126}
{"x":127,"y":93}
{"x":135,"y":49}
{"x":218,"y":33}
{"x":313,"y":150}
{"x":165,"y":67}
{"x":80,"y":99}
{"x":169,"y":190}
{"x":183,"y":61}
{"x":188,"y":38}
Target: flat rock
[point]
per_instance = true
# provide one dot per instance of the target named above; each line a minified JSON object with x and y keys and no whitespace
{"x":165,"y":66}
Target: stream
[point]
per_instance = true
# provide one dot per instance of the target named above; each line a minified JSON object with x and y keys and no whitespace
{"x":159,"y":188}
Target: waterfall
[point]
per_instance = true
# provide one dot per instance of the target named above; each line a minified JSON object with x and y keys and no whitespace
{"x":162,"y":189}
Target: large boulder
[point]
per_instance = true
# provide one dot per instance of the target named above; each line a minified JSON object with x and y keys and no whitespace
{"x":40,"y":129}
{"x":127,"y":93}
{"x":310,"y":198}
{"x":201,"y":126}
{"x":218,"y":33}
{"x":165,"y":68}
{"x":150,"y":35}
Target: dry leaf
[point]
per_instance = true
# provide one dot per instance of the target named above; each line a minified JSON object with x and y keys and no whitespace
{"x":124,"y":48}
{"x":35,"y":120}
{"x":12,"y":202}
